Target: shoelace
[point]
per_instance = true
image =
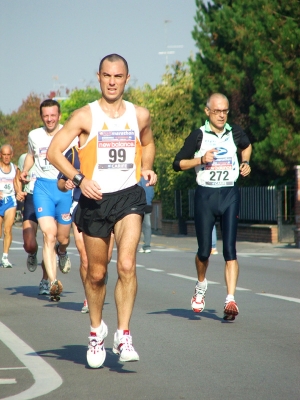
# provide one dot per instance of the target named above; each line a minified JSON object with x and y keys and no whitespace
{"x":94,"y":341}
{"x":63,"y":257}
{"x":31,"y":258}
{"x":199,"y":291}
{"x":126,"y":343}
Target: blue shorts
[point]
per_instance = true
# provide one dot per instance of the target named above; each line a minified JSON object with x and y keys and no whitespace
{"x":6,"y":203}
{"x":49,"y":201}
{"x":28,"y":211}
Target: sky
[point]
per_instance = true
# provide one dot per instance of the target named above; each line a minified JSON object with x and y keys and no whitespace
{"x":58,"y":44}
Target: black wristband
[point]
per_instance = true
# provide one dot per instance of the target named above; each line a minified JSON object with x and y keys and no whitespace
{"x":245,"y":162}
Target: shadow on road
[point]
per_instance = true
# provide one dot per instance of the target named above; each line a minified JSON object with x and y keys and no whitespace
{"x":189,"y":314}
{"x":77,"y":355}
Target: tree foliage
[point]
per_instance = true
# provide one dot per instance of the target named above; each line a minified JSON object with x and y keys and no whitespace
{"x":170,"y":108}
{"x":14,"y":128}
{"x":250,"y":52}
{"x":77,"y":99}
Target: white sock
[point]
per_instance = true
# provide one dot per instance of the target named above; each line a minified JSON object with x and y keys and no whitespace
{"x":97,"y":330}
{"x":120,"y":332}
{"x":203,"y":284}
{"x":229,"y":298}
{"x":5,"y":255}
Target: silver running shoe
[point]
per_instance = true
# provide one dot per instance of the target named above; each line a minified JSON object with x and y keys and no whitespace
{"x":32,"y":262}
{"x":44,"y":287}
{"x":6,"y":263}
{"x":198,"y":300}
{"x":85,"y":308}
{"x":63,"y":261}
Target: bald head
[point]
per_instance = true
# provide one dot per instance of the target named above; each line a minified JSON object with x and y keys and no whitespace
{"x":6,"y":153}
{"x":215,"y":97}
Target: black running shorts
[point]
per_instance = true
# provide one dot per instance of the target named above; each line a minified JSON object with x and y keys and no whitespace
{"x":28,"y":211}
{"x":97,"y":218}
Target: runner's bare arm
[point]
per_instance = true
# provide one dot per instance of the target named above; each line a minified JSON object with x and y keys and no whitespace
{"x":245,"y":169}
{"x":78,"y":125}
{"x":20,"y":195}
{"x":28,"y":163}
{"x":148,"y":146}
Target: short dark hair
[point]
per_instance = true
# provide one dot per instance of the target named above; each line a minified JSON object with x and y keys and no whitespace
{"x":49,"y":103}
{"x":114,"y":57}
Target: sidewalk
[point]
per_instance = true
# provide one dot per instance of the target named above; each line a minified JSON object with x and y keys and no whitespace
{"x":188,"y":243}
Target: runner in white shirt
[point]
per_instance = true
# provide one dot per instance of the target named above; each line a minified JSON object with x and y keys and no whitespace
{"x":30,"y":223}
{"x":52,"y":207}
{"x":8,"y":202}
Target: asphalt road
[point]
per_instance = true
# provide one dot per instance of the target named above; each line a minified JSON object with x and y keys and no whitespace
{"x":182,"y":355}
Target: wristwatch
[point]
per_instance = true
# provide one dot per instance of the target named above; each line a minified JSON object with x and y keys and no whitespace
{"x":78,"y":179}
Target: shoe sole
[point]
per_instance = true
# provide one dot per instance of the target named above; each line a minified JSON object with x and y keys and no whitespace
{"x":55,"y":293}
{"x":118,"y":353}
{"x":85,"y":311}
{"x":63,"y":270}
{"x":91,"y":365}
{"x":230,"y":315}
{"x":31,"y":269}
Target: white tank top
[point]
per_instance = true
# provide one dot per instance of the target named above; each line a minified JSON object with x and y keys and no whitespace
{"x":112,"y":154}
{"x":224,"y":170}
{"x":7,"y":181}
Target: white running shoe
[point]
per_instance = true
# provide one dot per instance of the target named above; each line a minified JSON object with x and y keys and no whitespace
{"x":63,"y":261}
{"x":32,"y":262}
{"x":6,"y":263}
{"x":142,"y":250}
{"x":85,"y":308}
{"x":44,"y":287}
{"x":123,"y":347}
{"x":198,"y":300}
{"x":96,"y":352}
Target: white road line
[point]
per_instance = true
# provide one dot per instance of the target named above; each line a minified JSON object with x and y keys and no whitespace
{"x":241,"y":289}
{"x":276,"y":296}
{"x":8,"y":369}
{"x":192,"y":278}
{"x":46,"y":378}
{"x":256,"y":254}
{"x":166,"y":249}
{"x":155,"y":270}
{"x":7,"y":381}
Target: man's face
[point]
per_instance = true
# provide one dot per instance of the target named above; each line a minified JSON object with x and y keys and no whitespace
{"x":217,"y":118}
{"x":113,"y":78}
{"x":6,"y":155}
{"x":50,"y":117}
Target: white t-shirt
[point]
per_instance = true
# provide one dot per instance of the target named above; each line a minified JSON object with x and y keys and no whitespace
{"x":38,"y":144}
